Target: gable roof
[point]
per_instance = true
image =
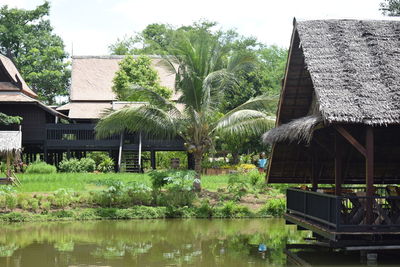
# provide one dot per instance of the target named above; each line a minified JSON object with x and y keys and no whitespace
{"x":92,"y":77}
{"x":354,"y":66}
{"x":13,"y":77}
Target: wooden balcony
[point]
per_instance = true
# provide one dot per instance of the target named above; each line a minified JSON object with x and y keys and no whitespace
{"x":343,"y":219}
{"x":82,"y":137}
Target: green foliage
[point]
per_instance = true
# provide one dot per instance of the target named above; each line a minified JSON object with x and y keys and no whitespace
{"x":255,"y":177}
{"x":87,"y":165}
{"x":107,"y":165}
{"x":274,"y":207}
{"x":390,"y":7}
{"x":41,"y":167}
{"x":232,"y":210}
{"x":137,"y":73}
{"x":205,"y":210}
{"x":75,"y":165}
{"x":98,"y":156}
{"x":237,"y":185}
{"x":62,"y":198}
{"x":7,"y":120}
{"x":163,"y":159}
{"x":27,"y":37}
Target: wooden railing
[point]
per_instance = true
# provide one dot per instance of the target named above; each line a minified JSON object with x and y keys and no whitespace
{"x":82,"y":136}
{"x":346,"y":212}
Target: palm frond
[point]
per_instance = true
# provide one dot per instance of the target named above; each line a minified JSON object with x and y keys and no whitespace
{"x":244,"y":123}
{"x":263,"y":102}
{"x":148,"y":119}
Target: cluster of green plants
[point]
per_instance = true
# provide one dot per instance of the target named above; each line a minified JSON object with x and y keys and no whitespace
{"x":40,"y":167}
{"x":77,"y":165}
{"x":95,"y":162}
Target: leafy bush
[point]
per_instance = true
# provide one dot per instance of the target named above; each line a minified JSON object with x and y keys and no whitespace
{"x":255,"y":177}
{"x":41,"y":168}
{"x":232,"y":210}
{"x":205,"y":210}
{"x":237,"y":186}
{"x":98,"y":156}
{"x":107,"y":165}
{"x":163,"y":159}
{"x":274,"y":207}
{"x":75,"y":165}
{"x":70,"y":165}
{"x":87,"y":165}
{"x":62,"y":198}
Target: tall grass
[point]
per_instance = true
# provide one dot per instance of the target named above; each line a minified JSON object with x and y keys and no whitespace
{"x":76,"y":181}
{"x":89,"y":181}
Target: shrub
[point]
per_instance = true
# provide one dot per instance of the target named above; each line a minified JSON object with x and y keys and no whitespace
{"x":87,"y":165}
{"x":45,"y":206}
{"x":70,"y":165}
{"x":237,"y":186}
{"x":158,"y":179}
{"x":34,"y":203}
{"x":62,"y":198}
{"x":273,"y":207}
{"x":75,"y":165}
{"x":106,"y":165}
{"x":205,"y":210}
{"x":41,"y":167}
{"x":98,"y":156}
{"x":255,"y":177}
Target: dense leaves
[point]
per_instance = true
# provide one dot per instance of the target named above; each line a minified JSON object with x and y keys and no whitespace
{"x":7,"y":120}
{"x":27,"y":37}
{"x":137,"y":72}
{"x":390,"y":7}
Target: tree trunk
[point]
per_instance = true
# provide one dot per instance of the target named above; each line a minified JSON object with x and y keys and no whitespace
{"x":235,"y":158}
{"x":198,"y":156}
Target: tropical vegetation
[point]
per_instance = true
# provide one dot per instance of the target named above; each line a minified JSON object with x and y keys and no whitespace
{"x":205,"y":70}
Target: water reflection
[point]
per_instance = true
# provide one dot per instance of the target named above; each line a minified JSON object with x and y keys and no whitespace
{"x":146,"y":243}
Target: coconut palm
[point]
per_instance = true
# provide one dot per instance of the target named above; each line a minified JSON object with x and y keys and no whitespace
{"x":205,"y":69}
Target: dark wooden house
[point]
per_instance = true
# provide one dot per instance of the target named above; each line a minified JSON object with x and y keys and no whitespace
{"x":338,"y":123}
{"x":17,"y":99}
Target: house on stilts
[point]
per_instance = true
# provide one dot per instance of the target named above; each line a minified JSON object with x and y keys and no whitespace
{"x":338,"y":123}
{"x":68,"y":130}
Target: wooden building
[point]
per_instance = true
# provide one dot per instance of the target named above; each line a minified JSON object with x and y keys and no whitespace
{"x":17,"y":99}
{"x":338,"y":123}
{"x":91,"y":96}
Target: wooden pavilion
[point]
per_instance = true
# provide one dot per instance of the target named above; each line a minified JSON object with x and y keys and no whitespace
{"x":338,"y":123}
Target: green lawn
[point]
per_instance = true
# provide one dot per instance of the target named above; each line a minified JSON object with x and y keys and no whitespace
{"x":87,"y":181}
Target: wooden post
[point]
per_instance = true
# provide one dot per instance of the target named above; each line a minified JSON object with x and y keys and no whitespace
{"x":140,"y":151}
{"x":153,"y":159}
{"x":369,"y":171}
{"x":314,"y":174}
{"x":338,"y":164}
{"x":121,"y":142}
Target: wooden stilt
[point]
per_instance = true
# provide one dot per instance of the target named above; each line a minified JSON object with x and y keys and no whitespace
{"x":153,"y":159}
{"x":314,"y":171}
{"x":338,"y":164}
{"x":369,"y":172}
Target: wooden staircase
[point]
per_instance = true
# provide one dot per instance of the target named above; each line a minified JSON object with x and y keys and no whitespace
{"x":130,"y":159}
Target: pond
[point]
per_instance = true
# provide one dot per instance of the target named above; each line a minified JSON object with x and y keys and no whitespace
{"x":190,"y":242}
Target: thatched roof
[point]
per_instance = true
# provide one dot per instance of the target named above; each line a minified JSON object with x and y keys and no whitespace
{"x":93,"y":110}
{"x":348,"y":72}
{"x":10,"y":141}
{"x":299,"y":130}
{"x":12,"y":76}
{"x":355,"y":68}
{"x":20,"y":98}
{"x":92,"y":77}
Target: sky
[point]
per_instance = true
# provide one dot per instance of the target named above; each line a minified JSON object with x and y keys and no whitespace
{"x":88,"y":27}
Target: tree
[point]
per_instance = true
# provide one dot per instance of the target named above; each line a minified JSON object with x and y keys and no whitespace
{"x":7,"y":120}
{"x":390,"y":7}
{"x":27,"y":38}
{"x":138,"y":72}
{"x":205,"y":70}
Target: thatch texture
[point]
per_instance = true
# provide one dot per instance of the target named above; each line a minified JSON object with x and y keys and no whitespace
{"x":93,"y":110}
{"x":10,"y":141}
{"x":355,"y":69}
{"x":14,"y":76}
{"x":299,"y":130}
{"x":92,"y":77}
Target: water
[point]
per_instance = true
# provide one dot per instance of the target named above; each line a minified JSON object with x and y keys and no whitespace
{"x":191,"y":242}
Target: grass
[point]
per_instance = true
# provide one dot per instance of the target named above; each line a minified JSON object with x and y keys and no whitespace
{"x":81,"y":182}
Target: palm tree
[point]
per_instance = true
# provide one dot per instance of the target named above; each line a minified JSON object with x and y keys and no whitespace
{"x":205,"y":69}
